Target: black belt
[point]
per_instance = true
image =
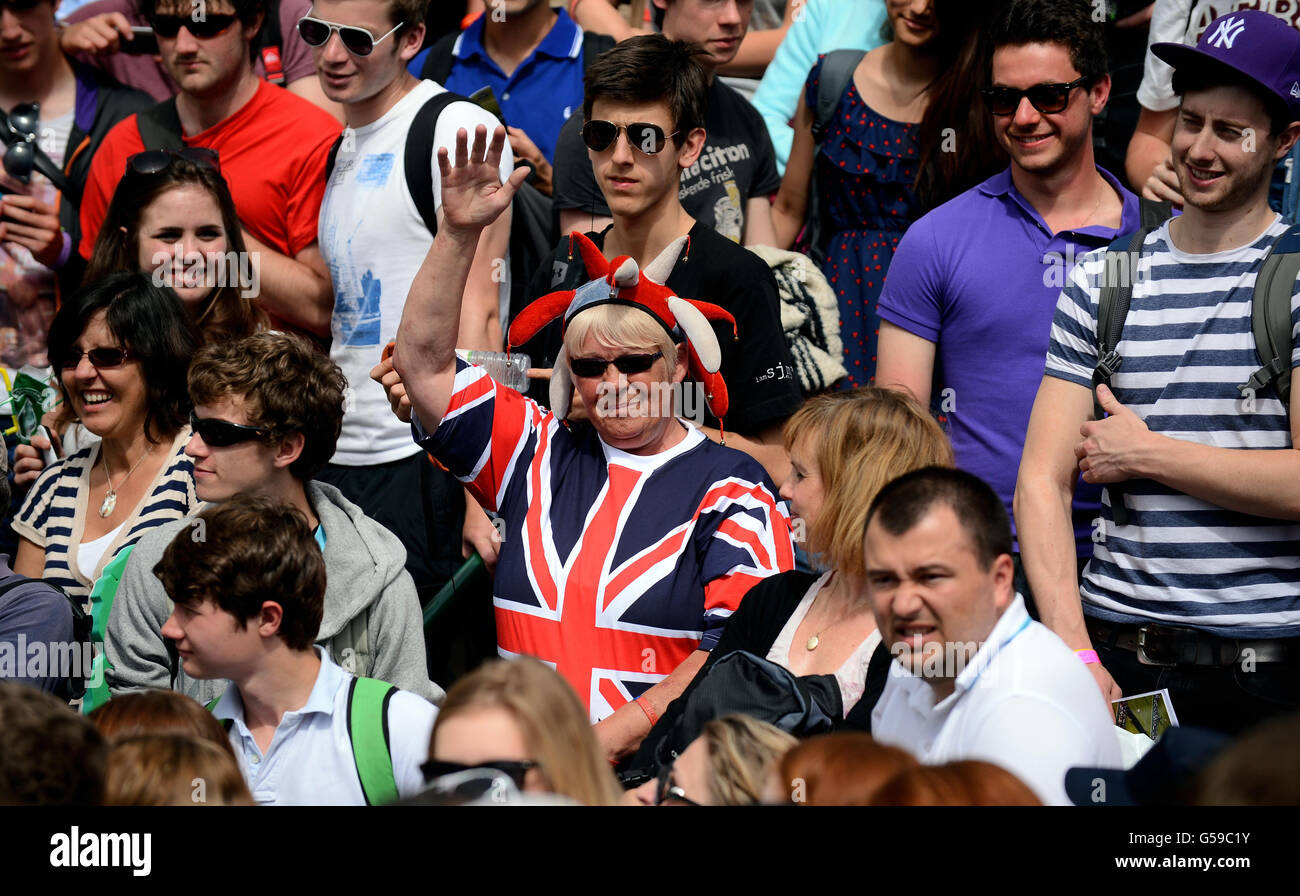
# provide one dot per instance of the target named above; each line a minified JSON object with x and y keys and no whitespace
{"x":1171,"y":645}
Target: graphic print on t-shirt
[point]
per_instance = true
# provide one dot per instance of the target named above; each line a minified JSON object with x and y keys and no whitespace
{"x":358,"y":304}
{"x":713,"y":175}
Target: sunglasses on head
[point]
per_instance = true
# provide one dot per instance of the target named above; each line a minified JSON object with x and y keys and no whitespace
{"x":358,"y":41}
{"x":590,"y":368}
{"x":1046,"y":98}
{"x":648,"y":138}
{"x":152,"y":161}
{"x":220,"y":433}
{"x":100,"y":358}
{"x":208,"y":26}
{"x":515,"y":770}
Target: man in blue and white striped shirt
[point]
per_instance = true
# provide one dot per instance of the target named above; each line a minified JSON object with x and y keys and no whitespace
{"x":1200,"y":592}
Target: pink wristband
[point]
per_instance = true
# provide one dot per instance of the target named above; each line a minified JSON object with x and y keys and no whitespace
{"x":1087,"y":657}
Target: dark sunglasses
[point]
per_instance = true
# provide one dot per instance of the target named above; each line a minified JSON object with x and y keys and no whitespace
{"x":648,"y":138}
{"x":208,"y":26}
{"x":515,"y":770}
{"x":669,"y":794}
{"x":101,"y":358}
{"x":1046,"y":98}
{"x":152,"y":161}
{"x":590,"y":368}
{"x":358,"y":41}
{"x":24,"y":123}
{"x":221,"y":433}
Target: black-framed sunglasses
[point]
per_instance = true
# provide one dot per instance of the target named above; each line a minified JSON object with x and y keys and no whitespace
{"x":667,"y":793}
{"x":208,"y":26}
{"x":648,"y":138}
{"x":1046,"y":98}
{"x":515,"y":769}
{"x":218,"y":433}
{"x":590,"y":368}
{"x":152,"y":161}
{"x":357,"y":41}
{"x":100,"y":358}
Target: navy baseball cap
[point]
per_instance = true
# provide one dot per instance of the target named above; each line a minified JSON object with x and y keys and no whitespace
{"x":1256,"y":44}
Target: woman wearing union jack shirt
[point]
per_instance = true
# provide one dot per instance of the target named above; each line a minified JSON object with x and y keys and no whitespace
{"x":626,"y":543}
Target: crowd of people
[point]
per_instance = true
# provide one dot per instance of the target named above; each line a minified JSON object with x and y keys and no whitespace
{"x":868,"y":443}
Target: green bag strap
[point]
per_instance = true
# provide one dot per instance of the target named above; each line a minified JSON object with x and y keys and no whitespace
{"x":368,"y":730}
{"x":1270,"y":317}
{"x":101,"y":605}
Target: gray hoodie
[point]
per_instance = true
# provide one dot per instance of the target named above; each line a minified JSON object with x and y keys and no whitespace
{"x":366,"y":579}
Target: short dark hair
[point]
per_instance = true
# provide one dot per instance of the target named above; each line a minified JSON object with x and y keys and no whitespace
{"x":257,"y":369}
{"x":904,"y":502}
{"x":152,"y":325}
{"x":246,"y":10}
{"x":649,"y":68}
{"x":1069,"y":23}
{"x":1207,"y":74}
{"x":49,"y":755}
{"x":253,"y":549}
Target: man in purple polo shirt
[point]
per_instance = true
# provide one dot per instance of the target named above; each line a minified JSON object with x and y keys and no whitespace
{"x":971,"y":291}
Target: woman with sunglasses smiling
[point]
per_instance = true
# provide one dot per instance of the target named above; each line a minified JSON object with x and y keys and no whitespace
{"x":625,"y":542}
{"x":881,"y":160}
{"x":121,"y":349}
{"x":519,"y":718}
{"x":172,"y":217}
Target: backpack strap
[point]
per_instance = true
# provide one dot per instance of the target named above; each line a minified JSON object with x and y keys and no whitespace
{"x":270,"y":44}
{"x":437,"y":65}
{"x":837,"y":72}
{"x":419,"y":156}
{"x":1153,"y":213}
{"x":368,"y":701}
{"x":160,"y":126}
{"x":1118,"y":273}
{"x":1270,"y":316}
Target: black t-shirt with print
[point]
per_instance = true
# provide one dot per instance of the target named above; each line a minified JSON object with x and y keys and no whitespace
{"x":737,"y":164}
{"x":756,"y":366}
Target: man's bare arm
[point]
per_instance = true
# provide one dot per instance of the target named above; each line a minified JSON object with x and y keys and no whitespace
{"x":905,"y":362}
{"x":296,"y":289}
{"x":1147,"y":150}
{"x":621,"y":733}
{"x":1044,"y":494}
{"x":309,"y":89}
{"x":759,"y":230}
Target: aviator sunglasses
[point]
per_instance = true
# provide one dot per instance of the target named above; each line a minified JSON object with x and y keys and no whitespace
{"x":648,"y":138}
{"x":358,"y":41}
{"x":100,"y":358}
{"x":221,"y":433}
{"x":152,"y":161}
{"x":208,"y":26}
{"x":590,"y":368}
{"x":1046,"y":98}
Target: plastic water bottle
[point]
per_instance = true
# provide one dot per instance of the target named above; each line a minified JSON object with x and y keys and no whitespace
{"x":509,"y":370}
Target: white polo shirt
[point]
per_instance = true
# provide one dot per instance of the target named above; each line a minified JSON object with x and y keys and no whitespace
{"x":310,"y":760}
{"x":1024,"y":702}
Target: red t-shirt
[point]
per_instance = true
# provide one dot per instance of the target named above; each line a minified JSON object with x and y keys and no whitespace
{"x":272,"y":151}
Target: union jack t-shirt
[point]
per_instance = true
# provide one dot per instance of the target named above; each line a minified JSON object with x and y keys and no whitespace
{"x":613,"y":567}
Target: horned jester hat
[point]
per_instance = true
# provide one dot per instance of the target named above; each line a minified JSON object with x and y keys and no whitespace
{"x":619,"y":282}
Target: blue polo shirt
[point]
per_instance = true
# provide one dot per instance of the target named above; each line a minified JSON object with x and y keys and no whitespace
{"x":543,"y":92}
{"x":980,"y":277}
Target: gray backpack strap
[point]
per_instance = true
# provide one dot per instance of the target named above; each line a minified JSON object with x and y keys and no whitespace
{"x":1270,"y":317}
{"x":837,"y":72}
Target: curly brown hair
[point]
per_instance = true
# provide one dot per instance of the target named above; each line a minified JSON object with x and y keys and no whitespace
{"x":287,"y":386}
{"x":254,"y":549}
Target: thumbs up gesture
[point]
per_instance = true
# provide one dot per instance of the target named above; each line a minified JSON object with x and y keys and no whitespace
{"x":1112,"y":448}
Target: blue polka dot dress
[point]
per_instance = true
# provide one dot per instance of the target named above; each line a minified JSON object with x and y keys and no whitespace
{"x":867,"y":165}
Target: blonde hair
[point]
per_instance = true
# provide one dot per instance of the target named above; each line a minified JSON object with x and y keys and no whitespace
{"x":173,"y":770}
{"x":861,"y":439}
{"x":617,"y":327}
{"x":741,"y":751}
{"x":550,"y":716}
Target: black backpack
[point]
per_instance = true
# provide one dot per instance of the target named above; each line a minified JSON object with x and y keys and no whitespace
{"x":269,"y":44}
{"x":531,"y":229}
{"x":73,"y":686}
{"x":1270,"y":316}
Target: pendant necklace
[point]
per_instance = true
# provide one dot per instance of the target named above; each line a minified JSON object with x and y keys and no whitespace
{"x":110,"y":497}
{"x":811,"y":644}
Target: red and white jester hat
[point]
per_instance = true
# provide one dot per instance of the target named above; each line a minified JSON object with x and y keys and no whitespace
{"x":619,"y":282}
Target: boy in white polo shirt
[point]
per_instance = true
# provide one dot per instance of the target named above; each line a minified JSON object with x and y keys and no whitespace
{"x":248,"y":583}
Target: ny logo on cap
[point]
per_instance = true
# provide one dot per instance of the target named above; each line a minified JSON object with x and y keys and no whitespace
{"x":1227,"y":32}
{"x":1295,"y":88}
